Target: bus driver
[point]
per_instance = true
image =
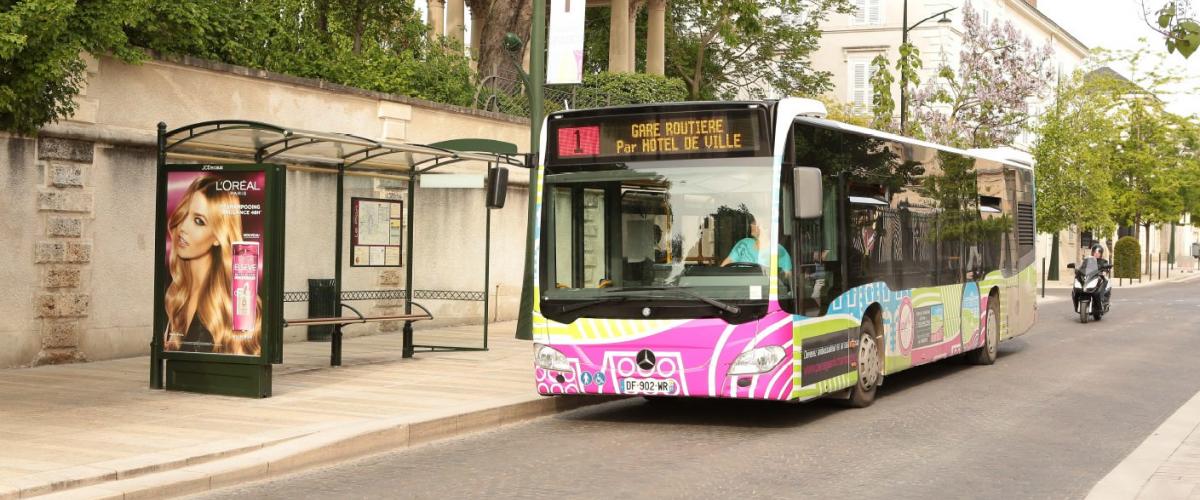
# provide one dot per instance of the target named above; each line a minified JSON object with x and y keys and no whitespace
{"x":753,"y":250}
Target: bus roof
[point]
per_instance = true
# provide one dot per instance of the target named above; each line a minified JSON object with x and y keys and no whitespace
{"x":974,"y":153}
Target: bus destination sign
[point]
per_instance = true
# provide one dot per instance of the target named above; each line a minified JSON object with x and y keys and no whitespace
{"x":649,"y":136}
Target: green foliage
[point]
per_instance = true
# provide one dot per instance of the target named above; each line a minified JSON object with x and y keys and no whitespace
{"x":727,"y":48}
{"x":40,"y":46}
{"x":614,"y":89}
{"x":1127,"y":258}
{"x":1076,"y":140}
{"x":1181,"y":31}
{"x":372,"y":44}
{"x":841,"y":111}
{"x":882,"y":105}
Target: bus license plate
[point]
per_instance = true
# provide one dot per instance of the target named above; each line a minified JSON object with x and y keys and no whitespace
{"x":647,"y":386}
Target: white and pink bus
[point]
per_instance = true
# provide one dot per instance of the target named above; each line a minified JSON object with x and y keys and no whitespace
{"x":757,"y":250}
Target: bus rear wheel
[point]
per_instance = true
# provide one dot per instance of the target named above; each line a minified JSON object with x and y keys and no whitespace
{"x":986,"y":354}
{"x":870,"y":370}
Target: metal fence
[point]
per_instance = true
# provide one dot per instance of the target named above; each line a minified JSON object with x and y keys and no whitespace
{"x":505,"y":95}
{"x":349,"y":295}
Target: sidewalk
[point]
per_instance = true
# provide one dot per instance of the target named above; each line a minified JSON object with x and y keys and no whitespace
{"x":1166,"y":466}
{"x":1176,"y":275}
{"x":94,"y":430}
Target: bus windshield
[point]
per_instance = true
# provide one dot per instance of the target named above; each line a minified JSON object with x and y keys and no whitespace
{"x":661,"y":230}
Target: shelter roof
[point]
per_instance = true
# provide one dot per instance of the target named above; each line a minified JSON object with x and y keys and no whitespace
{"x":263,"y":142}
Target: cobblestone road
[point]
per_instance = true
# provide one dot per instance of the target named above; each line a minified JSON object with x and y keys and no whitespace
{"x":1061,"y":407}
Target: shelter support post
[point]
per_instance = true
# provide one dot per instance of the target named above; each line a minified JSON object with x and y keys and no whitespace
{"x":156,"y":340}
{"x":487,"y":266}
{"x":335,"y":339}
{"x":407,"y":351}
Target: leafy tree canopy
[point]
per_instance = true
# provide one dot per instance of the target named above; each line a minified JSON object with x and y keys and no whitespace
{"x":373,"y":44}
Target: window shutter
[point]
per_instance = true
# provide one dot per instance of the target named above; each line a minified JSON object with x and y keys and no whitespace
{"x":874,"y":12}
{"x":859,"y":83}
{"x":860,"y":11}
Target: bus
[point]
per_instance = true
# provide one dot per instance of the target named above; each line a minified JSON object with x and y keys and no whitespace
{"x":756,"y":250}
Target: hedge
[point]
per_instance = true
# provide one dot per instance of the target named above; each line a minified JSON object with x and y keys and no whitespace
{"x":1127,"y":258}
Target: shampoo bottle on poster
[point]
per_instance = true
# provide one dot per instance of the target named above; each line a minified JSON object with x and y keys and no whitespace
{"x":245,"y":284}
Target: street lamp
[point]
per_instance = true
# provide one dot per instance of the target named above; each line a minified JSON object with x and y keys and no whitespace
{"x":905,"y":28}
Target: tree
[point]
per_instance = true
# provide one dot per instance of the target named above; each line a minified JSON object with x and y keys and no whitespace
{"x":1075,"y":141}
{"x":882,"y":105}
{"x":986,"y":101}
{"x":1151,"y":157}
{"x":497,"y":18}
{"x":726,"y":48}
{"x":1177,"y":24}
{"x":41,"y":42}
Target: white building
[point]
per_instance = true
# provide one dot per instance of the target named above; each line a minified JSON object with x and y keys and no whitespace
{"x":850,"y":41}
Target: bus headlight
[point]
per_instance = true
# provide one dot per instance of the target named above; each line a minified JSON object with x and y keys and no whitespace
{"x":760,"y":360}
{"x":549,"y":358}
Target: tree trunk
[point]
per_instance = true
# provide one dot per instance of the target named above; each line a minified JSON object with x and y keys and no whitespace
{"x":1149,"y":269}
{"x":1052,"y":274}
{"x":322,"y":7}
{"x":499,"y":18}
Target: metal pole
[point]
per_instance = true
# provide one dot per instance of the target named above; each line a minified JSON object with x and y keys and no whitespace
{"x":407,"y":351}
{"x":487,"y":267}
{"x":160,"y":251}
{"x":335,"y":341}
{"x":537,"y":77}
{"x":903,"y":78}
{"x":1043,"y":277}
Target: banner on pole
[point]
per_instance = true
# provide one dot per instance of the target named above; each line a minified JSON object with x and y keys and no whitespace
{"x":564,"y":63}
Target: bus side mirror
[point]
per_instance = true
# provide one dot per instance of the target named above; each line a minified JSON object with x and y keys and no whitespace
{"x":1070,"y":266}
{"x":1196,"y":250}
{"x":807,"y":189}
{"x":497,"y":187}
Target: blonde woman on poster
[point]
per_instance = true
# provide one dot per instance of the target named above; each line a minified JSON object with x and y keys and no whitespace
{"x":203,"y":228}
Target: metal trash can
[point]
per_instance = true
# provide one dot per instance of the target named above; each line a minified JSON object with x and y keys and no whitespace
{"x":321,"y":304}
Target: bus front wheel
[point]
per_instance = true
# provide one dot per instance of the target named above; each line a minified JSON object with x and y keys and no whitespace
{"x":870,"y":370}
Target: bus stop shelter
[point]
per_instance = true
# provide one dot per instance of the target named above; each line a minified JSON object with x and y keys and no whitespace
{"x":236,"y":168}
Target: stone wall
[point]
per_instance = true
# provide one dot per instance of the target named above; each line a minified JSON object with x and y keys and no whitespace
{"x":79,"y":203}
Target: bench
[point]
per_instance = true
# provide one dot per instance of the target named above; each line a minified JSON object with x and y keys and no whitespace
{"x":335,"y":340}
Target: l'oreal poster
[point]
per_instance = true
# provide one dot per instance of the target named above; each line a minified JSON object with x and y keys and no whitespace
{"x":214,"y":262}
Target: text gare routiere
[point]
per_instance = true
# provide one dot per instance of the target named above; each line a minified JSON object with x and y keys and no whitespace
{"x":679,"y":136}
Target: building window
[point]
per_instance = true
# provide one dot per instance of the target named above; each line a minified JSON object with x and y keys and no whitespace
{"x":867,"y":12}
{"x":859,"y":71}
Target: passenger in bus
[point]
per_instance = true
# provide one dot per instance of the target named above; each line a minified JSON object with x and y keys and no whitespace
{"x":753,"y":250}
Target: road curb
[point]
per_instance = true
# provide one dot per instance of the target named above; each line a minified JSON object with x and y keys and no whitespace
{"x":304,"y":451}
{"x":1126,"y":480}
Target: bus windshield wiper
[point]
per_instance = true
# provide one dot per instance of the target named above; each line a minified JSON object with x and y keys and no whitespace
{"x":731,"y":309}
{"x":589,"y":303}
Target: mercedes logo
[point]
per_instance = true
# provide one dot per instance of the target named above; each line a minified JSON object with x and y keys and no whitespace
{"x":645,"y":359}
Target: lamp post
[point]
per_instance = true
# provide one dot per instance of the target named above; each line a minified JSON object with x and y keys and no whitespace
{"x":533,"y":85}
{"x":904,"y":29}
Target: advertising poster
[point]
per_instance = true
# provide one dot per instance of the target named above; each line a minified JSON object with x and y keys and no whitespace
{"x":375,"y":232}
{"x":214,"y":261}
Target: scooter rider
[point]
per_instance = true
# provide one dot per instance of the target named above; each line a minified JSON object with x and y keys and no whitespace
{"x":1098,"y":254}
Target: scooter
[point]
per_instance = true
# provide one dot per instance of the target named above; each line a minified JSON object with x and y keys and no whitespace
{"x":1092,"y":290}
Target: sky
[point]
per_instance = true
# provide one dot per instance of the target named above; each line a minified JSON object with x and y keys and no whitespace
{"x":1117,"y":25}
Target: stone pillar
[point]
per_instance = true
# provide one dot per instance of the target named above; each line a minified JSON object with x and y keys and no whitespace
{"x":655,"y":37}
{"x":633,"y":15}
{"x":618,"y":38}
{"x":437,"y":10}
{"x":455,"y":28}
{"x":475,"y":35}
{"x":64,"y":249}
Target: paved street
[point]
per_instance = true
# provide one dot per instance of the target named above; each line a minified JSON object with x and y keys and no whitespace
{"x":1060,"y":408}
